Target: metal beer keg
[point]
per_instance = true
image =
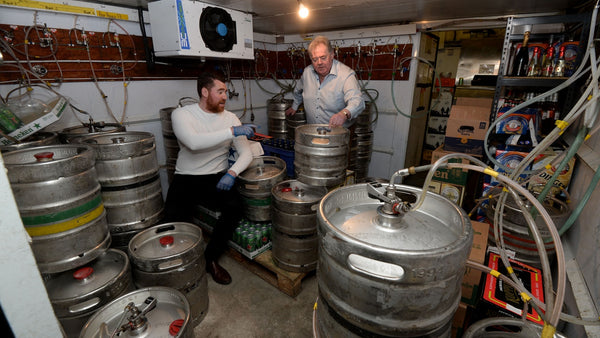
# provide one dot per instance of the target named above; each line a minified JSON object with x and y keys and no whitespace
{"x":41,"y":138}
{"x":77,"y":294}
{"x":294,"y":219}
{"x":172,"y":254}
{"x":321,"y":154}
{"x":276,"y":122}
{"x":156,"y":311}
{"x":255,"y":185}
{"x":385,"y":269}
{"x":58,"y":196}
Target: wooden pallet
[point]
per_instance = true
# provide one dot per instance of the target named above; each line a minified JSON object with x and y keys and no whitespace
{"x":263,"y":266}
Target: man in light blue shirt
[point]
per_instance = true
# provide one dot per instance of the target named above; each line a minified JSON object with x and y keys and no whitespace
{"x":328,"y":88}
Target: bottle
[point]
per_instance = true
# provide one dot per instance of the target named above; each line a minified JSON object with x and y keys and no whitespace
{"x":559,"y":69}
{"x":521,"y":61}
{"x":548,"y":66}
{"x":534,"y":68}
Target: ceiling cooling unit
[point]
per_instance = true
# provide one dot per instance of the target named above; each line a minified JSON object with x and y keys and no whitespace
{"x":186,"y":28}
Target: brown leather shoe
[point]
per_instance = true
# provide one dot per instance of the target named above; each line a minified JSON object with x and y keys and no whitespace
{"x":218,"y":273}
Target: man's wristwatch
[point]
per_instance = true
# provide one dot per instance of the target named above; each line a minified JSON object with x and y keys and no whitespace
{"x":347,"y":114}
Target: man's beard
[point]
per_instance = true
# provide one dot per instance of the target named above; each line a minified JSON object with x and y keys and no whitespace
{"x":213,"y":105}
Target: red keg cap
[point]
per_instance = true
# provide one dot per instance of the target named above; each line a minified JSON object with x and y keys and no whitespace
{"x":166,"y":240}
{"x":83,"y":273}
{"x":44,"y":156}
{"x":288,"y":189}
{"x":175,"y":327}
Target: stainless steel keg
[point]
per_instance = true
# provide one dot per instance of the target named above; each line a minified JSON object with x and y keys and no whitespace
{"x":127,"y":167}
{"x":321,"y":154}
{"x":77,"y":294}
{"x":41,"y":138}
{"x":255,"y":185}
{"x":169,"y":140}
{"x":516,"y":233}
{"x":87,"y":129}
{"x":172,"y":255}
{"x":389,"y":270}
{"x":276,"y":119}
{"x":58,"y":196}
{"x":294,"y":219}
{"x":156,"y":311}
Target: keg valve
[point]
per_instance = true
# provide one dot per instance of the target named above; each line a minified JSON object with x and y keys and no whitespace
{"x":137,"y":321}
{"x":392,"y":204}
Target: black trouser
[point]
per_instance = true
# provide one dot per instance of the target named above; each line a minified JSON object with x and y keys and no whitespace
{"x":188,"y":191}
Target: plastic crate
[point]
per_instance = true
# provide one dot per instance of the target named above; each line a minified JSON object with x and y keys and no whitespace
{"x":283,"y":149}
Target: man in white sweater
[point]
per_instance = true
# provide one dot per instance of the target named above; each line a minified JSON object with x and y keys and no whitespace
{"x":205,"y":132}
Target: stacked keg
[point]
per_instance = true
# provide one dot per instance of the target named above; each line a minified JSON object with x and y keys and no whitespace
{"x":276,"y":119}
{"x":78,"y":293}
{"x":172,"y":255}
{"x":515,"y":229}
{"x":321,"y":155}
{"x":361,"y":145}
{"x":88,"y":129}
{"x":255,"y":185}
{"x":295,"y":121}
{"x":294,"y":235}
{"x":127,"y":169}
{"x":170,"y":141}
{"x":384,"y":273}
{"x":41,"y":138}
{"x":58,"y":196}
{"x":320,"y":161}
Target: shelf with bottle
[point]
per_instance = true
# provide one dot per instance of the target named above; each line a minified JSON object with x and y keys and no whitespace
{"x":539,"y":117}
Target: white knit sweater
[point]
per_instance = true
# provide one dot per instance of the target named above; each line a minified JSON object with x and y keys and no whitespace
{"x":205,"y":139}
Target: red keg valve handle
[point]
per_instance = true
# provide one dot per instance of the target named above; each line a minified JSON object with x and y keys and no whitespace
{"x":288,"y":189}
{"x":44,"y":156}
{"x":166,"y":240}
{"x":83,"y":273}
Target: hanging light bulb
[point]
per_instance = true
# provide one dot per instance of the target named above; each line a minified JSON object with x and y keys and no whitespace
{"x":302,"y":10}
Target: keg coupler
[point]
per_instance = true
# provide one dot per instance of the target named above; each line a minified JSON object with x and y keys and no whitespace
{"x":393,"y":207}
{"x":137,"y":322}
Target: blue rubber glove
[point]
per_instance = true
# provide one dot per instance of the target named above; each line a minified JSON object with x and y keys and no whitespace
{"x":226,"y":182}
{"x":246,"y":130}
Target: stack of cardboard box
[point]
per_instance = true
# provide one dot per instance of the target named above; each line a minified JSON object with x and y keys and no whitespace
{"x":465,"y":133}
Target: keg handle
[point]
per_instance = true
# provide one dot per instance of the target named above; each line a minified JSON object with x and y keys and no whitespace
{"x":375,"y":268}
{"x":323,"y":130}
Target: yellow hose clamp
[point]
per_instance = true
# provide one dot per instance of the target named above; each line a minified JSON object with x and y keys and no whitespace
{"x":510,"y":270}
{"x":491,"y":172}
{"x":548,"y":166}
{"x":548,"y":331}
{"x":525,"y":297}
{"x":505,"y":190}
{"x":587,"y":137}
{"x":562,"y":125}
{"x":315,"y":306}
{"x":29,"y":89}
{"x":495,"y":273}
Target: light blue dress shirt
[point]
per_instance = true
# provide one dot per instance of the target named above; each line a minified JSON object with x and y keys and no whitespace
{"x":338,"y":90}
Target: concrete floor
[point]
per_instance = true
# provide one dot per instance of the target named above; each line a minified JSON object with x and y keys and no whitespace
{"x":250,"y":307}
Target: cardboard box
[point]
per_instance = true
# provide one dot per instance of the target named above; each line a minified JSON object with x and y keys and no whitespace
{"x":466,"y":129}
{"x":483,"y":102}
{"x":457,"y":185}
{"x":501,"y":299}
{"x":30,"y":128}
{"x":471,"y":282}
{"x":537,"y":182}
{"x":458,"y":322}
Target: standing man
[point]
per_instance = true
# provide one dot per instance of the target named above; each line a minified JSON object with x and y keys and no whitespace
{"x":205,"y":132}
{"x":328,"y":88}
